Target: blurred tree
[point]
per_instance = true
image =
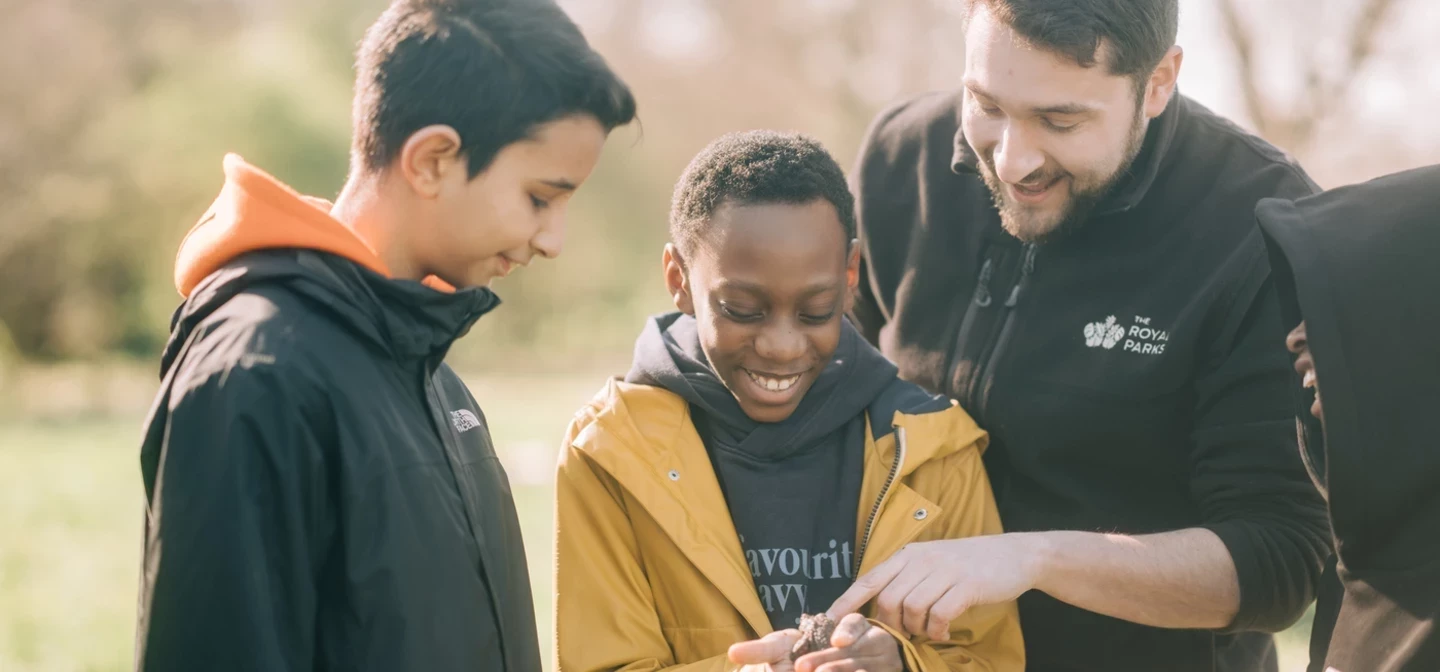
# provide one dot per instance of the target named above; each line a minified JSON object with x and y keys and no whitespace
{"x":113,"y":121}
{"x":114,"y":117}
{"x":1337,"y":55}
{"x":66,"y":246}
{"x":822,"y":66}
{"x":1340,"y":84}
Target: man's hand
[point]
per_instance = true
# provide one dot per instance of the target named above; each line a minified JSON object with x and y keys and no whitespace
{"x":925,"y":586}
{"x":856,"y":645}
{"x":1180,"y":579}
{"x":770,"y":653}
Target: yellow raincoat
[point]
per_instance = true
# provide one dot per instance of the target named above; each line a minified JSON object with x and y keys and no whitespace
{"x":650,"y":574}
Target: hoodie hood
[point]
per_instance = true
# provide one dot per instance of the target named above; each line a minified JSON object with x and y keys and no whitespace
{"x":255,"y":211}
{"x":259,"y":231}
{"x":668,"y":355}
{"x":1358,"y":265}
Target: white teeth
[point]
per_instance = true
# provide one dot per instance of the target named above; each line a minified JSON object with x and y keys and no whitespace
{"x":773,"y":384}
{"x":1309,"y":380}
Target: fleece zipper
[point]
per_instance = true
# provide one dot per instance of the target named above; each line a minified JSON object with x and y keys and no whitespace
{"x":979,"y":393}
{"x":979,"y":301}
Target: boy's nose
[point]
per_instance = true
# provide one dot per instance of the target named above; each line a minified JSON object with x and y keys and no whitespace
{"x":550,"y":239}
{"x":780,"y":343}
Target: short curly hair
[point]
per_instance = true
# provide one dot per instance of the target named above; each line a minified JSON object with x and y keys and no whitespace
{"x":755,"y":168}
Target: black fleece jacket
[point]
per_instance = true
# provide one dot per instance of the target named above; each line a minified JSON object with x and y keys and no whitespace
{"x":1132,"y":374}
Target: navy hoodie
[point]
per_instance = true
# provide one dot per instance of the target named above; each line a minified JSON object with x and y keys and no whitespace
{"x":792,"y":487}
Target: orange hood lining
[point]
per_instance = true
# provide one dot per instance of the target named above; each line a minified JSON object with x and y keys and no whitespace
{"x":256,"y":211}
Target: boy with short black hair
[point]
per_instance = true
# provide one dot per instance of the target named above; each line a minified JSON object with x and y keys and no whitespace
{"x":760,"y":454}
{"x":322,"y":490}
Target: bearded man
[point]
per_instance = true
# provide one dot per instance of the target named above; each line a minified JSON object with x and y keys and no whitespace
{"x":1067,"y":247}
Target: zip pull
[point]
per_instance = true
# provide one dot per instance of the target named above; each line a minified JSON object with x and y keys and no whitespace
{"x":1025,"y":270}
{"x":982,"y":288}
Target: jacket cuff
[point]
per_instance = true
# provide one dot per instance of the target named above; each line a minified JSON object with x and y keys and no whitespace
{"x":1266,"y":600}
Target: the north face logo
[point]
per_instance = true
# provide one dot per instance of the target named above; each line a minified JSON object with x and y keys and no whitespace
{"x":464,"y":420}
{"x":1105,"y":334}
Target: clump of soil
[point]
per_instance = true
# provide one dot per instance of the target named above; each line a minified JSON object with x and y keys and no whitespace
{"x":815,"y":632}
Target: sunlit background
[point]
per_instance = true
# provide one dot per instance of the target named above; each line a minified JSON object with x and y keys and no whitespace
{"x":114,"y":117}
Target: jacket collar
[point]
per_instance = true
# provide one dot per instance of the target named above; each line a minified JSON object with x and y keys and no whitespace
{"x":411,"y":320}
{"x":1153,"y":157}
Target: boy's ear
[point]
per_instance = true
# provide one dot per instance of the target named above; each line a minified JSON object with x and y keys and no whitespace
{"x":852,"y":274}
{"x":677,"y":281}
{"x":852,"y":265}
{"x":427,"y":158}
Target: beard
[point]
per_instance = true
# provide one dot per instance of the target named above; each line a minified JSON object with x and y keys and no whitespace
{"x":1081,"y":200}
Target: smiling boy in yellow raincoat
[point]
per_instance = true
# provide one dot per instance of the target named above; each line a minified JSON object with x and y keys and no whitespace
{"x":760,"y":455}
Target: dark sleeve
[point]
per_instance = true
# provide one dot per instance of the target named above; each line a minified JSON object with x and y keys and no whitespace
{"x":875,"y":154}
{"x":237,"y":523}
{"x":1246,"y":472}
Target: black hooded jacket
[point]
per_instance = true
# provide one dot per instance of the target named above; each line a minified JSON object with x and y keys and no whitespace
{"x":322,"y":490}
{"x":1358,"y":265}
{"x":790,"y":485}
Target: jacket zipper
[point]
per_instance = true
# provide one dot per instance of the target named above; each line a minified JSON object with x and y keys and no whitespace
{"x":985,"y":366}
{"x":981,"y":299}
{"x":445,"y":432}
{"x":982,"y":288}
{"x":884,"y":490}
{"x":468,"y":506}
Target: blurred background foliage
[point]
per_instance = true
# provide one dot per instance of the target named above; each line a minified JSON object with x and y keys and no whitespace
{"x":113,"y":124}
{"x":114,"y":116}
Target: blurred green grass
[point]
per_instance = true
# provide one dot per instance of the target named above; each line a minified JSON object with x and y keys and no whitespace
{"x":71,"y":505}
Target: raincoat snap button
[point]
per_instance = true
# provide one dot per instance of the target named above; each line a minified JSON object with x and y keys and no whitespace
{"x":921,"y":514}
{"x":674,"y":475}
